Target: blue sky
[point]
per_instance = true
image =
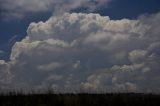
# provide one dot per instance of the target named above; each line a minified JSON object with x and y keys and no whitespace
{"x":93,"y":45}
{"x":117,"y":9}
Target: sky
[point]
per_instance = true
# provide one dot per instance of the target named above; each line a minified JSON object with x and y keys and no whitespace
{"x":88,"y":45}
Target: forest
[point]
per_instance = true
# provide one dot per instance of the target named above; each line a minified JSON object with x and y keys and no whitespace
{"x":80,"y":99}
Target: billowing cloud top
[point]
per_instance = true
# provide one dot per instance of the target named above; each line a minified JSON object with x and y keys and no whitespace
{"x":19,"y":8}
{"x":87,"y":52}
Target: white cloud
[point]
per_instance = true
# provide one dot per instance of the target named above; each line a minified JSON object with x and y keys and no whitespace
{"x":5,"y":76}
{"x":2,"y":62}
{"x":19,"y":8}
{"x":88,"y":52}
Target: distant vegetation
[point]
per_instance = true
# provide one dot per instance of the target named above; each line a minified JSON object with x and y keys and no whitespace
{"x":83,"y":99}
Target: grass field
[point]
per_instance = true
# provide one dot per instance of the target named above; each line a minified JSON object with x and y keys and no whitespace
{"x":83,"y":99}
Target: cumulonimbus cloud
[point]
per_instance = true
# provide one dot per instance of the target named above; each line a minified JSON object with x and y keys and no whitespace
{"x":87,"y":52}
{"x":19,"y":8}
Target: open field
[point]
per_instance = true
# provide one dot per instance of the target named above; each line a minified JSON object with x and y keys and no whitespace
{"x":84,"y":99}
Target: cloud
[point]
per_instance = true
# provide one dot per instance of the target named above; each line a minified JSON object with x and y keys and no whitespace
{"x":50,"y":66}
{"x":137,"y":56}
{"x":88,"y":52}
{"x":5,"y":76}
{"x":19,"y":8}
{"x":1,"y":52}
